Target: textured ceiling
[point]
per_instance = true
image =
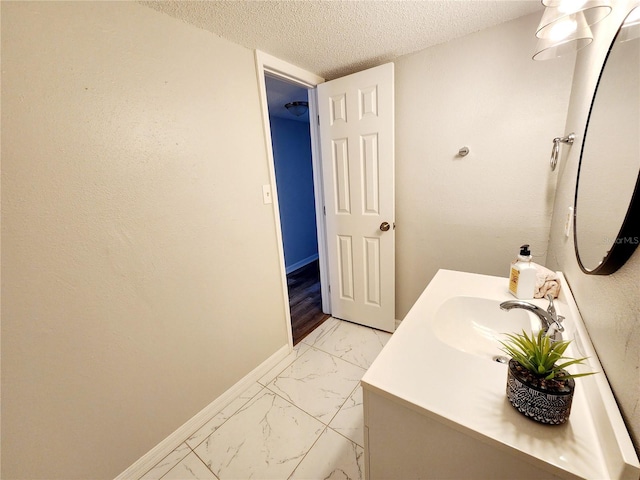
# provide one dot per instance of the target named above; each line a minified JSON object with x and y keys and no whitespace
{"x":333,"y":38}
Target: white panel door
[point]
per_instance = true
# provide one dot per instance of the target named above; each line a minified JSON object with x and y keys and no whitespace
{"x":357,"y":142}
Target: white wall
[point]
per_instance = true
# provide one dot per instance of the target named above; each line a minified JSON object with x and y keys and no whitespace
{"x":133,"y":227}
{"x":609,"y":305}
{"x":482,"y":91}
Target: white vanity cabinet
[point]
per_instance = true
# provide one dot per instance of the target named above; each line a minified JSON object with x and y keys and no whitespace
{"x":404,"y":443}
{"x":435,"y":405}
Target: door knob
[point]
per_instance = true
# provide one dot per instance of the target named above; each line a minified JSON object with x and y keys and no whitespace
{"x":384,"y":226}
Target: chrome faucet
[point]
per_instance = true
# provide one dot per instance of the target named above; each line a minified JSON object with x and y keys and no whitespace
{"x":551,"y":322}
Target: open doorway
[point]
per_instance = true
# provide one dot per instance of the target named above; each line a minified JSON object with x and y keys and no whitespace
{"x":292,"y":155}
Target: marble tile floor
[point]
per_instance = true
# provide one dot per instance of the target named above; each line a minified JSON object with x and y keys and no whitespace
{"x":302,"y":420}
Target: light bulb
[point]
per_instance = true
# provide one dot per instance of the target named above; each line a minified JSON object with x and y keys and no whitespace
{"x":565,"y":6}
{"x":571,"y":6}
{"x":633,"y":18}
{"x":563,"y":29}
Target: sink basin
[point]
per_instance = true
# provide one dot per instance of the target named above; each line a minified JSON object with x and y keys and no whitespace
{"x":476,"y":325}
{"x":434,"y":388}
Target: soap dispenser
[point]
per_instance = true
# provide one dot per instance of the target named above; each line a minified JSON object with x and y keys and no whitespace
{"x":522,"y":278}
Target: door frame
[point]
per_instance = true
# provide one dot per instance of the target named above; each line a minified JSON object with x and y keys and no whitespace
{"x":268,"y":64}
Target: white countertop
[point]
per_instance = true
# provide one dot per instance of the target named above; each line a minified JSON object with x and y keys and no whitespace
{"x":467,"y":392}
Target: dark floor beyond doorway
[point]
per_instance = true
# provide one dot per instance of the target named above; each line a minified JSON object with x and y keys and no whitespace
{"x":305,"y":302}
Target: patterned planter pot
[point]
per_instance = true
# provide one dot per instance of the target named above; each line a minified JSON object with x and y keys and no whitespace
{"x":535,"y":403}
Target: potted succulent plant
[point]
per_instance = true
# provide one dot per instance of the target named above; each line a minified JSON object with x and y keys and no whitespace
{"x":538,"y":386}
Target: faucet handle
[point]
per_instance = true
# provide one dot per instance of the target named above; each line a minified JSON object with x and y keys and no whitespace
{"x":555,"y":318}
{"x":551,"y":309}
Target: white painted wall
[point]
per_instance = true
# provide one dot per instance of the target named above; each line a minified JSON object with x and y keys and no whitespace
{"x":609,"y":305}
{"x":482,"y":91}
{"x":132,"y":228}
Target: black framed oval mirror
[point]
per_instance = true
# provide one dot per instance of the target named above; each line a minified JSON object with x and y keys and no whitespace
{"x":607,"y":201}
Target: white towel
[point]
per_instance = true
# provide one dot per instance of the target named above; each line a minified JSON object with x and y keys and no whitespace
{"x":547,"y":282}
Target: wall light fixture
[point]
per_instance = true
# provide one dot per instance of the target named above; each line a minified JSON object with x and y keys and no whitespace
{"x":564,"y":27}
{"x":630,"y":29}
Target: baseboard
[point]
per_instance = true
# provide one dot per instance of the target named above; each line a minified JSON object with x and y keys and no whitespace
{"x":301,"y":263}
{"x":166,"y":446}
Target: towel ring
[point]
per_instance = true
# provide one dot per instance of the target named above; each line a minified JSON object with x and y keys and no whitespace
{"x":555,"y":151}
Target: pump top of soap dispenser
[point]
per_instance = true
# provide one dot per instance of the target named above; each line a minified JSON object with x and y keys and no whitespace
{"x":525,"y":254}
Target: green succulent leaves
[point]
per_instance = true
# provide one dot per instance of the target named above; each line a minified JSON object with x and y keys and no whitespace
{"x":539,"y":354}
